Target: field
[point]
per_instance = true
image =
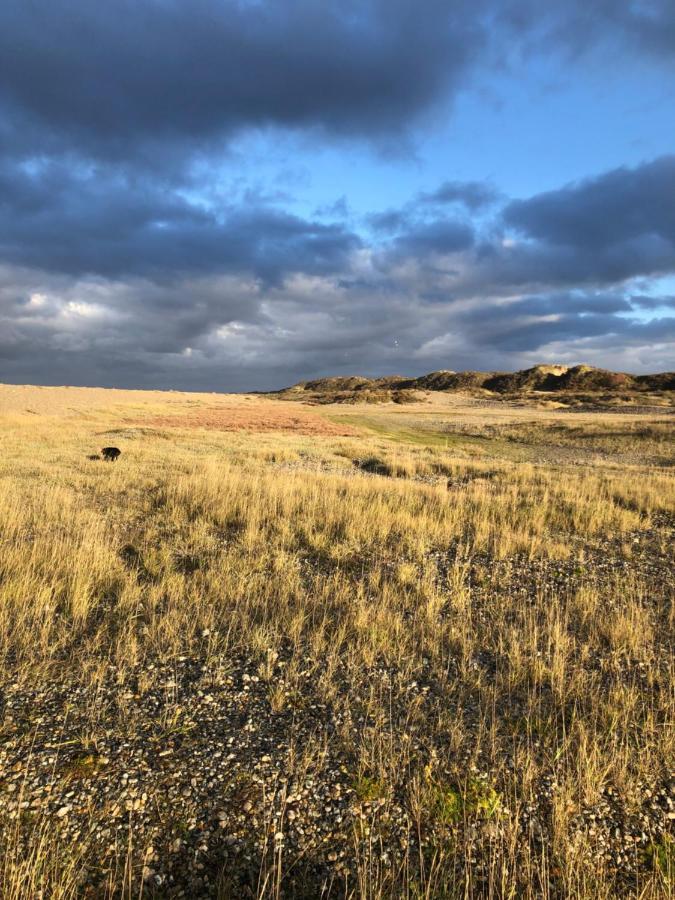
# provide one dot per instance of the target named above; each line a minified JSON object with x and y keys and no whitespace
{"x":368,"y":651}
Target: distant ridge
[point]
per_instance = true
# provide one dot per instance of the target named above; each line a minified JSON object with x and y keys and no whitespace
{"x":567,"y":382}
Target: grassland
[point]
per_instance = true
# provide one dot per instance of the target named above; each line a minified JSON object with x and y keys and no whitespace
{"x":366,"y":652}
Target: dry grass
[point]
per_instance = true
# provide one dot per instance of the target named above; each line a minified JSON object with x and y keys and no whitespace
{"x":461,"y":565}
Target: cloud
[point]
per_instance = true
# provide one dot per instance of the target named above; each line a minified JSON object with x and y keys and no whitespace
{"x":640,"y":301}
{"x":127,"y":283}
{"x":106,"y":76}
{"x":474,"y":195}
{"x":389,"y":221}
{"x":529,"y":323}
{"x":80,"y":222}
{"x":652,"y":25}
{"x":578,"y":27}
{"x":156,"y":80}
{"x":124,"y":259}
{"x":604,"y":230}
{"x":440,"y":236}
{"x":230,"y":332}
{"x":648,"y":25}
{"x":613,"y":209}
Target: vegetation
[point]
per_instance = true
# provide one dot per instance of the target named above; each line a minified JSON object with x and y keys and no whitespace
{"x":479,"y":639}
{"x":575,"y":386}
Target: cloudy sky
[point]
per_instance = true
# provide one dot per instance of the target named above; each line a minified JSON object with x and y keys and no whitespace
{"x":238,"y":194}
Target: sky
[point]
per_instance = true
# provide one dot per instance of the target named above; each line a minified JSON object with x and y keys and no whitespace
{"x":230,"y":195}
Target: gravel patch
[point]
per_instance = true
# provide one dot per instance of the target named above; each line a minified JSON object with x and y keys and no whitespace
{"x":208,"y":775}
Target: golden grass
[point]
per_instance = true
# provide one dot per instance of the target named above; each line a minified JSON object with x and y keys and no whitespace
{"x":274,"y":541}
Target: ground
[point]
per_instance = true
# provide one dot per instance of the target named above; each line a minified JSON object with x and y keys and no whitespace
{"x":363,"y":651}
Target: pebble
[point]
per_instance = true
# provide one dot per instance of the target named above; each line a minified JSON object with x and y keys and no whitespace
{"x":196,"y":767}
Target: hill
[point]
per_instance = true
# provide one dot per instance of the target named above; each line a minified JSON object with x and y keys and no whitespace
{"x":567,"y":385}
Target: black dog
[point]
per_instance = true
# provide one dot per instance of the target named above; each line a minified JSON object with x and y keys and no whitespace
{"x":110,"y":454}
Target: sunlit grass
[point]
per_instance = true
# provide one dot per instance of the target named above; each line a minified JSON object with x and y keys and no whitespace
{"x":277,"y":541}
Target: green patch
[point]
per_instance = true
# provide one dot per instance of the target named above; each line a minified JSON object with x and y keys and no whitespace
{"x":368,"y":789}
{"x":82,"y":764}
{"x":400,"y":434}
{"x":482,"y":799}
{"x":428,"y":434}
{"x":661,"y":856}
{"x":177,"y":727}
{"x":446,"y":805}
{"x":451,"y":804}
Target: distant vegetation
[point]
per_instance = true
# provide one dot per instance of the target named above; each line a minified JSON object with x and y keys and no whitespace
{"x":569,"y":385}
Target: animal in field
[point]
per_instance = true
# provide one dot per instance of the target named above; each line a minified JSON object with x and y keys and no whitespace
{"x":110,"y":454}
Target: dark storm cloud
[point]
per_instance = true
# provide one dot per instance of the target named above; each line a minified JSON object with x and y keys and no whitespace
{"x":135,"y":324}
{"x":59,"y":219}
{"x":120,"y":265}
{"x":109,"y":74}
{"x":532,"y":265}
{"x":250,"y":296}
{"x":613,"y":209}
{"x":230,"y":333}
{"x":112,"y":77}
{"x":604,"y":230}
{"x":103,"y":79}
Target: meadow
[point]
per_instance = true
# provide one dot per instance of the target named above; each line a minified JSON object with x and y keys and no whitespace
{"x":369,"y":652}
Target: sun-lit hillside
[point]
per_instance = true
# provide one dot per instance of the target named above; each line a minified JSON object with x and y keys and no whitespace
{"x":564,"y":385}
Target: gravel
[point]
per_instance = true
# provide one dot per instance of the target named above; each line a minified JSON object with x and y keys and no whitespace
{"x":209,"y":773}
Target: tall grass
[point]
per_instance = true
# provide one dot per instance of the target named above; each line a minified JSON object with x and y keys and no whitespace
{"x":279,"y":544}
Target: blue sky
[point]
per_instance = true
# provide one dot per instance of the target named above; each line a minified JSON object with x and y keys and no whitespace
{"x":538,"y":127}
{"x":224,"y":195}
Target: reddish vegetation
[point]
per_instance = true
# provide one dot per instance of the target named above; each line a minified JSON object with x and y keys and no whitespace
{"x":258,"y":417}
